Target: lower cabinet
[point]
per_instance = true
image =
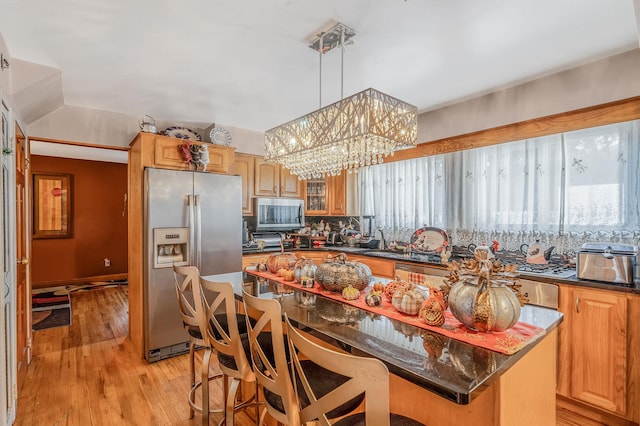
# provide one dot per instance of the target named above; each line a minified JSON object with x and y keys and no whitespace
{"x":597,"y":362}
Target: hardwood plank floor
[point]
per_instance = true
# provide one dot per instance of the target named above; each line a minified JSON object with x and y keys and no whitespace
{"x":89,"y":374}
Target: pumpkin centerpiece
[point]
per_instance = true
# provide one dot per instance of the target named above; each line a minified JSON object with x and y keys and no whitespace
{"x":304,"y":268}
{"x":335,"y":274}
{"x":279,"y":261}
{"x":485,"y":295}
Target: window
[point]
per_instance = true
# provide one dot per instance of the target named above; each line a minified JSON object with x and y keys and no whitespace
{"x":564,"y":189}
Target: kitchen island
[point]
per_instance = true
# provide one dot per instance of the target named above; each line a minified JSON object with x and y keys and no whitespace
{"x":435,"y":379}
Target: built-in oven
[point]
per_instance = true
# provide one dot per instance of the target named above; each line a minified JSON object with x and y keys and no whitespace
{"x":279,"y":214}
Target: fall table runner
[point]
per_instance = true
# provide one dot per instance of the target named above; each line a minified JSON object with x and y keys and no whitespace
{"x":506,"y":342}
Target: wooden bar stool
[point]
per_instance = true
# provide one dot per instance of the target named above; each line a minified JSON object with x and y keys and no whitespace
{"x":368,"y":376}
{"x":187,"y":280}
{"x":270,"y":359}
{"x":223,"y":334}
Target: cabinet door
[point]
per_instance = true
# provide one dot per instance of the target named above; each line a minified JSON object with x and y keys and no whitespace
{"x":338,"y":192}
{"x":244,"y":166}
{"x":316,"y":197}
{"x":289,"y":184}
{"x":599,"y":349}
{"x":267,"y":178}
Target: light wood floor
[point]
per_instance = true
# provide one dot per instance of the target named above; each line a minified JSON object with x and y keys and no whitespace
{"x":89,"y":374}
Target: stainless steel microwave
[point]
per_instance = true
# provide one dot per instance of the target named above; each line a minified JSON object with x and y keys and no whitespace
{"x":279,"y":214}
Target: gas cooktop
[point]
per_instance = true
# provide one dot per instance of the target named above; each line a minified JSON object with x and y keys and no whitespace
{"x":549,"y":270}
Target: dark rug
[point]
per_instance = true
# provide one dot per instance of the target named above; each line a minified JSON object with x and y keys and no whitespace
{"x":50,"y":307}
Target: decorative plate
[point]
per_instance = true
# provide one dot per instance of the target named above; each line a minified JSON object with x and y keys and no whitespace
{"x":181,"y":133}
{"x":429,"y":240}
{"x":220,"y":136}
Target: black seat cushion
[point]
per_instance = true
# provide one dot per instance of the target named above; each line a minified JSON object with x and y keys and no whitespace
{"x":222,"y":319}
{"x":322,"y":381}
{"x":229,"y":361}
{"x":194,"y":332}
{"x":359,"y":420}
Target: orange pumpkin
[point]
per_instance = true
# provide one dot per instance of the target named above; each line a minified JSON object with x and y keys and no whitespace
{"x":378,"y":286}
{"x":279,"y":261}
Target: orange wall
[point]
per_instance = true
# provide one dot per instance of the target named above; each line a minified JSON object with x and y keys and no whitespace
{"x":99,"y":222}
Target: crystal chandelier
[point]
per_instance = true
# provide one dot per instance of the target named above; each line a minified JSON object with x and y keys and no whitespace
{"x":354,"y":132}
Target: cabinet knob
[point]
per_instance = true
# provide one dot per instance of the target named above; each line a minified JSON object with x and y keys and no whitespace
{"x":23,"y":261}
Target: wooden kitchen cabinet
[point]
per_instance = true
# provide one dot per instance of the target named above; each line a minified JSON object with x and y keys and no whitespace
{"x":244,"y":166}
{"x":598,"y":369}
{"x":273,"y":180}
{"x":326,"y":197}
{"x":338,"y":195}
{"x":383,"y":268}
{"x":167,"y":155}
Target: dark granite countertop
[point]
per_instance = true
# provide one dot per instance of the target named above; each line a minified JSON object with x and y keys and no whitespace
{"x":453,"y":369}
{"x":431,"y":261}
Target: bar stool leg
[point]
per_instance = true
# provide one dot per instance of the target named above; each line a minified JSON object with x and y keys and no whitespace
{"x":192,"y":373}
{"x":206,"y":358}
{"x":231,"y":402}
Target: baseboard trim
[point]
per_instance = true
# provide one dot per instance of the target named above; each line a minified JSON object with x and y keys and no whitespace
{"x":84,"y":280}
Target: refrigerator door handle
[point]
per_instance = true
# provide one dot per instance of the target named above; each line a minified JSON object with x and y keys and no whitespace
{"x":198,"y":232}
{"x":191,"y":229}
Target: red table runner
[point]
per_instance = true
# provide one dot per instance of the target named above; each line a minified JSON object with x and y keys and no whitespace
{"x":506,"y":342}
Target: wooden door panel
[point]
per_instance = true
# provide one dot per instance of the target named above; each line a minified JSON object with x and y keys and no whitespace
{"x":599,"y":352}
{"x":267,"y":178}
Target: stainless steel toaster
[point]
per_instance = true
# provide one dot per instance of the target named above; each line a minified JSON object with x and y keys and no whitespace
{"x":608,"y":262}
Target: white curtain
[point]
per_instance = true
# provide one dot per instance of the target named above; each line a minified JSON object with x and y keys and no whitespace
{"x":563,"y":189}
{"x":404,"y":195}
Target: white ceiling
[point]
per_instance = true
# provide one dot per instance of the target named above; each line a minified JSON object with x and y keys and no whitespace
{"x":246,"y":63}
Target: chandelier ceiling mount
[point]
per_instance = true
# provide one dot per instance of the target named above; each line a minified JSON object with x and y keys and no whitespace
{"x":357,"y":131}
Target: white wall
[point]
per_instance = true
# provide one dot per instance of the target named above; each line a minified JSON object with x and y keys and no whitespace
{"x":93,"y":126}
{"x":607,"y":80}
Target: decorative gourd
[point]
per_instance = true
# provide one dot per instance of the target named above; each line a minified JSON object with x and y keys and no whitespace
{"x":261,"y":266}
{"x":306,"y":282}
{"x":432,"y":310}
{"x":335,"y":274}
{"x":378,"y":286}
{"x":350,"y":293}
{"x":281,"y":260}
{"x":373,"y":299}
{"x":288,"y":275}
{"x":409,"y":299}
{"x":304,"y":268}
{"x":392,"y":286}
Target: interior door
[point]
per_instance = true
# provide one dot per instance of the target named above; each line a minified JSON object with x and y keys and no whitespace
{"x":8,"y":386}
{"x":23,"y":290}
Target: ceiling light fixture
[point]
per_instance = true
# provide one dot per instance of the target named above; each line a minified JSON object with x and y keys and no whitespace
{"x":354,"y":132}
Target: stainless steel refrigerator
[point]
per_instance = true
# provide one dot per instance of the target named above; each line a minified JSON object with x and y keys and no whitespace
{"x":191,"y":218}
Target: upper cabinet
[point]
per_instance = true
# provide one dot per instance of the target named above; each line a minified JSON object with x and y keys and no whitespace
{"x":326,"y":197}
{"x":244,"y":166}
{"x":164,"y":152}
{"x":273,"y":180}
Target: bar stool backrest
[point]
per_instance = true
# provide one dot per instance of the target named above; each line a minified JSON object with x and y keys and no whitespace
{"x":218,"y":314}
{"x":268,"y":354}
{"x":368,"y":375}
{"x":187,"y":280}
